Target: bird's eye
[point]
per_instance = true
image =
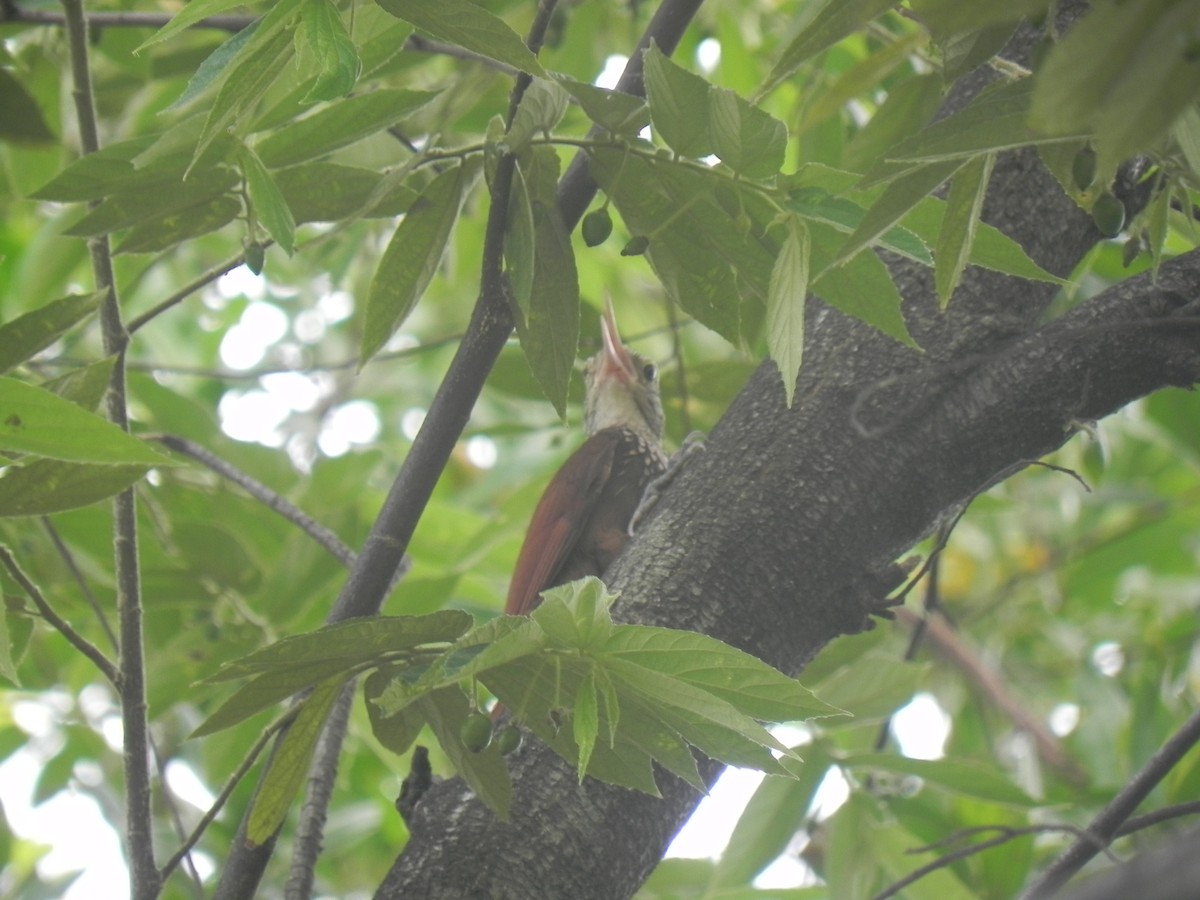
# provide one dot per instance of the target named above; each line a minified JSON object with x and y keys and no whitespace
{"x":649,"y":372}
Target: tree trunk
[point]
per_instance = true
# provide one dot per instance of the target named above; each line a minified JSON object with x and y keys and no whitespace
{"x":774,"y":537}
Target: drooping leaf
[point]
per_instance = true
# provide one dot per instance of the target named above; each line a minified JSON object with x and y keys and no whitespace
{"x":289,"y":766}
{"x":486,"y":772}
{"x":33,"y":332}
{"x":33,"y":420}
{"x":520,"y":243}
{"x":542,"y":106}
{"x":468,"y":26}
{"x":785,"y":304}
{"x":267,"y":200}
{"x":21,"y":119}
{"x":411,"y":258}
{"x":963,"y":206}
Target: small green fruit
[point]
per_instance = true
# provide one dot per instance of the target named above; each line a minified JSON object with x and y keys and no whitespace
{"x":476,"y":732}
{"x":508,"y":740}
{"x":637,"y":246}
{"x":1109,"y":215}
{"x":1131,"y":251}
{"x":256,"y":255}
{"x":597,"y":226}
{"x":1083,"y":168}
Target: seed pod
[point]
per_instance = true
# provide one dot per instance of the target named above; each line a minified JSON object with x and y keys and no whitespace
{"x":597,"y":226}
{"x":1109,"y":215}
{"x":637,"y":245}
{"x":476,"y":732}
{"x":1083,"y":168}
{"x":508,"y":740}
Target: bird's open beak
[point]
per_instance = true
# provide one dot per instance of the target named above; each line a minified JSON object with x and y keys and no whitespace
{"x":617,"y":361}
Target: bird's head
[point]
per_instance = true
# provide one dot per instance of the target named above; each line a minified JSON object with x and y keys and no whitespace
{"x":621,"y":386}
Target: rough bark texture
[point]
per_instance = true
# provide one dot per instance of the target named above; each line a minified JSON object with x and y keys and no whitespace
{"x":773,"y":537}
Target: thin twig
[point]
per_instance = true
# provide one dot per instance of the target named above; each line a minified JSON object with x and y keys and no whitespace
{"x":260,"y":492}
{"x":1105,"y":826}
{"x":68,"y":558}
{"x":10,"y":11}
{"x":61,"y":625}
{"x":186,"y":291}
{"x":144,"y":882}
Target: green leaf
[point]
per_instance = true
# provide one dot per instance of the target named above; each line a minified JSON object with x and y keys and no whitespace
{"x":900,"y":197}
{"x":585,"y":719}
{"x":963,"y":206}
{"x":830,"y":25}
{"x":542,"y":106}
{"x":267,"y":200}
{"x":620,"y":113}
{"x":21,"y":119}
{"x":969,"y":779}
{"x":400,"y":729}
{"x":520,"y":243}
{"x":485,"y":772}
{"x":95,"y":175}
{"x":46,"y":486}
{"x":251,"y":73}
{"x":748,"y":140}
{"x":337,"y":60}
{"x":33,"y":332}
{"x":339,"y":125}
{"x":140,"y":203}
{"x":194,"y":12}
{"x":289,"y":765}
{"x":327,"y":192}
{"x":785,"y":304}
{"x":180,"y":225}
{"x":33,"y":420}
{"x":909,"y":107}
{"x":860,"y":287}
{"x":215,"y":67}
{"x":998,"y":119}
{"x":468,"y":26}
{"x":947,"y":17}
{"x":411,"y":258}
{"x":549,"y":332}
{"x":679,"y":105}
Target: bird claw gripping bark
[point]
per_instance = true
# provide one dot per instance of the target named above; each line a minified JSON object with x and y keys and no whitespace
{"x":691,"y":444}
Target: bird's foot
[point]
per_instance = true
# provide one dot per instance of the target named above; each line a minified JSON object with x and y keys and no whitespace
{"x":692,"y":443}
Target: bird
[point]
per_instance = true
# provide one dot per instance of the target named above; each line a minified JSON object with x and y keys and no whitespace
{"x":581,"y":523}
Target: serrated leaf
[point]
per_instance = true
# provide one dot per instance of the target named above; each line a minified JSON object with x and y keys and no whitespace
{"x":900,"y":197}
{"x":619,"y":112}
{"x":847,"y":216}
{"x":289,"y":765}
{"x":520,"y":243}
{"x":337,"y":59}
{"x":679,"y":105}
{"x":411,"y":258}
{"x":785,"y":304}
{"x":549,"y":332}
{"x":485,"y":772}
{"x":27,"y":335}
{"x":338,"y":125}
{"x":748,"y":140}
{"x":585,"y":720}
{"x":830,"y":25}
{"x":33,"y":420}
{"x":861,"y":287}
{"x":542,"y":106}
{"x":963,"y":206}
{"x":191,"y":14}
{"x":46,"y":486}
{"x":468,"y":26}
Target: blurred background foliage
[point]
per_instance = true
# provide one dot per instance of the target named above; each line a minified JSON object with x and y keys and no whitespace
{"x":1080,"y":599}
